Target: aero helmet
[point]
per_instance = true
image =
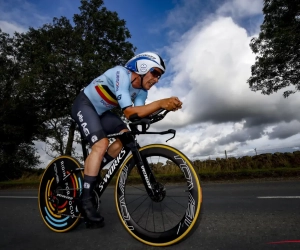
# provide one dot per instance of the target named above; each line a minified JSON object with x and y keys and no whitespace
{"x":143,"y":62}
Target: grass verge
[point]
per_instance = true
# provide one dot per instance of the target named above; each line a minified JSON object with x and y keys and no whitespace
{"x":239,"y":175}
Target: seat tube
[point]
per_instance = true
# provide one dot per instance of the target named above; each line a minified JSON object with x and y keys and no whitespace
{"x":85,"y":151}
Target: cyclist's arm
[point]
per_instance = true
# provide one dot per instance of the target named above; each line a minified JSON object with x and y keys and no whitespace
{"x":122,"y":82}
{"x":142,"y":111}
{"x":172,"y":103}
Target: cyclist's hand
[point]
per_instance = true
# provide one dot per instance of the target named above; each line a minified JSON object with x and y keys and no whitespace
{"x":171,"y":104}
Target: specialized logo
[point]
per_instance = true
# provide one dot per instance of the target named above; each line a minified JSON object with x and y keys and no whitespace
{"x":112,"y":168}
{"x":119,"y":97}
{"x":146,"y":177}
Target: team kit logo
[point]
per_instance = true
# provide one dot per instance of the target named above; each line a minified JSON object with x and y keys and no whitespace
{"x":143,"y":68}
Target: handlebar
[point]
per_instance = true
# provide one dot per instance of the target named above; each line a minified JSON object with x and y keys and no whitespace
{"x":146,"y":121}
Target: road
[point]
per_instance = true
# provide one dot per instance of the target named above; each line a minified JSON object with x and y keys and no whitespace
{"x":253,"y":215}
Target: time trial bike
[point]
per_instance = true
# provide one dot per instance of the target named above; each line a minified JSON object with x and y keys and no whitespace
{"x":157,"y":192}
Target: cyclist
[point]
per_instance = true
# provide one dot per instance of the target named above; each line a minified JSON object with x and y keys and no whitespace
{"x":119,"y":86}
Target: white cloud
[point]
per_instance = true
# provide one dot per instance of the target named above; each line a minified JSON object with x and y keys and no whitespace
{"x":19,"y":15}
{"x":241,"y":8}
{"x":211,"y":64}
{"x":11,"y":28}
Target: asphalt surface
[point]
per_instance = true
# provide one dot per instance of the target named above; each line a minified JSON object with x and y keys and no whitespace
{"x":253,"y":215}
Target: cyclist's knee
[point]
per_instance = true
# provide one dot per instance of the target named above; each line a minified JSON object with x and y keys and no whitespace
{"x":118,"y":142}
{"x":100,"y":146}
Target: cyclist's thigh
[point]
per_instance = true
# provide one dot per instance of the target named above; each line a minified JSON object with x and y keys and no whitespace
{"x":112,"y":123}
{"x":85,"y":115}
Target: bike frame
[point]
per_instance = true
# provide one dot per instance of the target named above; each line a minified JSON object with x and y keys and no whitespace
{"x":130,"y":144}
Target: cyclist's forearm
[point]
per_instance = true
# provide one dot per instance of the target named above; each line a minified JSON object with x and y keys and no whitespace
{"x":142,"y":111}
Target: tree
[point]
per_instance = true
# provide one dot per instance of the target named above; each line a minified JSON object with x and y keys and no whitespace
{"x":277,"y":47}
{"x":59,"y":59}
{"x":18,"y":119}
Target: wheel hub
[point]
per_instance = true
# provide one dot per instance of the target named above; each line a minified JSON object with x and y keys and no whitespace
{"x":159,"y":192}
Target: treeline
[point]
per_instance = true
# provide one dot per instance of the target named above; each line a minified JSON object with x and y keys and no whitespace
{"x":221,"y":165}
{"x":41,"y":73}
{"x":246,"y":167}
{"x":263,"y":161}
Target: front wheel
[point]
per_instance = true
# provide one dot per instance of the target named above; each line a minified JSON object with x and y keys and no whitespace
{"x":171,"y":215}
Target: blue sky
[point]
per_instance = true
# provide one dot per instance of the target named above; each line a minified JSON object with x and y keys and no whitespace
{"x":206,"y":46}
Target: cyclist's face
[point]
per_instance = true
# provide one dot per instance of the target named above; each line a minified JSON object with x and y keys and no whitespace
{"x":151,"y":77}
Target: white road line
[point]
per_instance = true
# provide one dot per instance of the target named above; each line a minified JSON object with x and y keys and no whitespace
{"x":278,"y":197}
{"x":19,"y":197}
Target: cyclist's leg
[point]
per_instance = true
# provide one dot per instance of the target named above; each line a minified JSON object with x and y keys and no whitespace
{"x":90,"y":126}
{"x":111,"y":124}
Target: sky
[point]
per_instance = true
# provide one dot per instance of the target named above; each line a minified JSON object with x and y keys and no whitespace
{"x":205,"y":44}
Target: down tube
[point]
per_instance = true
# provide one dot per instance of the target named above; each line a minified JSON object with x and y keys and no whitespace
{"x":117,"y":162}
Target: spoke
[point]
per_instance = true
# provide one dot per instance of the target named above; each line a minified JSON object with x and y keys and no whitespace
{"x":153,"y":217}
{"x":177,"y":201}
{"x":142,"y":213}
{"x":136,"y":198}
{"x":166,"y":215}
{"x":172,"y":210}
{"x":139,"y":205}
{"x":150,"y":160}
{"x":162,"y":217}
{"x":147,"y":216}
{"x":141,"y":189}
{"x":170,"y":196}
{"x":157,"y":217}
{"x":177,"y":187}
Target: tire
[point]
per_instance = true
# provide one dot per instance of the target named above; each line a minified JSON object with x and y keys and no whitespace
{"x":58,"y":213}
{"x":170,"y":220}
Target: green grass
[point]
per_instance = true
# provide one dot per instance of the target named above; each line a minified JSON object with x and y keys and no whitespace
{"x":32,"y":181}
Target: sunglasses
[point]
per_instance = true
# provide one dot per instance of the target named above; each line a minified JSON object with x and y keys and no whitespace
{"x":155,"y":73}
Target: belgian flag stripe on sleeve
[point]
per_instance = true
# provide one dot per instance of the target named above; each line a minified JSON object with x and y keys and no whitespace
{"x":106,"y":95}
